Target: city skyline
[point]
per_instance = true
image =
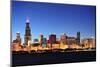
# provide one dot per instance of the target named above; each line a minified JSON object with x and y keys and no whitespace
{"x":48,"y":18}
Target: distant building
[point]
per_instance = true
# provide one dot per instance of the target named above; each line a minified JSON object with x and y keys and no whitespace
{"x":74,"y":40}
{"x":89,"y":43}
{"x":18,"y":39}
{"x":36,"y":41}
{"x":44,"y":42}
{"x":52,"y":39}
{"x":15,"y":45}
{"x":78,"y":38}
{"x":71,"y":40}
{"x":63,"y":39}
{"x":27,"y":36}
{"x":41,"y":39}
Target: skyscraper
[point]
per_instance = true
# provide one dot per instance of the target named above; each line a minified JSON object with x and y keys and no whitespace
{"x":63,"y":39}
{"x":27,"y":36}
{"x":41,"y":39}
{"x":18,"y":38}
{"x":44,"y":42}
{"x":52,"y":39}
{"x":16,"y":44}
{"x":78,"y":38}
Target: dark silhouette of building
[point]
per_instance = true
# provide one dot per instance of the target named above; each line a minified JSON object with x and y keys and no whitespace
{"x":52,"y":39}
{"x":71,"y":40}
{"x":41,"y":39}
{"x":27,"y":36}
{"x":18,"y":39}
{"x":44,"y":42}
{"x":88,"y":42}
{"x":16,"y":44}
{"x":78,"y":38}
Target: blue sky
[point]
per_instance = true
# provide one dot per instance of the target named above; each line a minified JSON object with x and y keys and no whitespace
{"x":49,"y":18}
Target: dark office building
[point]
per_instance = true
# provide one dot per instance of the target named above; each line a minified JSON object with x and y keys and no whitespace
{"x":44,"y":42}
{"x":71,"y":40}
{"x":27,"y":35}
{"x":52,"y":39}
{"x":78,"y":38}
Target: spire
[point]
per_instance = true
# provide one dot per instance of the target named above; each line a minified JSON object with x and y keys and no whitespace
{"x":27,"y":19}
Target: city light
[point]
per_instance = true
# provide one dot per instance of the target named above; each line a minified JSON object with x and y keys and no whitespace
{"x":53,"y":43}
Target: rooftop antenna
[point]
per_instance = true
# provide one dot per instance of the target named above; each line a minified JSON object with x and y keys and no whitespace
{"x":27,"y":19}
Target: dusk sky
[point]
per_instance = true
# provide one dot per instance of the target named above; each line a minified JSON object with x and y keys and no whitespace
{"x":49,"y":18}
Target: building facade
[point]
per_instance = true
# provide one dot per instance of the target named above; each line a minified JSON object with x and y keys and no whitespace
{"x":63,"y":39}
{"x":52,"y":39}
{"x":78,"y":38}
{"x":18,"y":38}
{"x":41,"y":39}
{"x":27,"y":36}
